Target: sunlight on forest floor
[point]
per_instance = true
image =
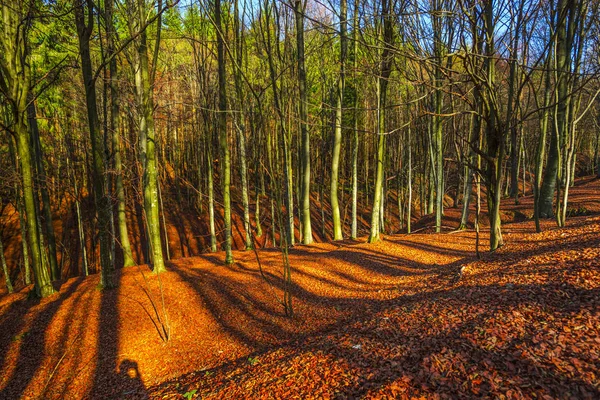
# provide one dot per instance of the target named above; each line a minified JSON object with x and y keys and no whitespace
{"x":414,"y":313}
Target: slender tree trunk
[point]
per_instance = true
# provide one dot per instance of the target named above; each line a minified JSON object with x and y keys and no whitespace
{"x":144,"y":80}
{"x":80,"y":229}
{"x":576,"y":28}
{"x":354,"y":229}
{"x":552,"y":171}
{"x":259,"y":177}
{"x":337,"y":136}
{"x":277,"y":103}
{"x":540,"y":154}
{"x":409,"y":183}
{"x":164,"y":222}
{"x":48,"y":228}
{"x":438,"y":141}
{"x":84,"y":31}
{"x":23,"y":228}
{"x":382,"y":82}
{"x":241,"y":131}
{"x":211,"y":198}
{"x":307,"y":237}
{"x":514,"y":164}
{"x":477,"y":209}
{"x":116,"y":139}
{"x":223,"y":134}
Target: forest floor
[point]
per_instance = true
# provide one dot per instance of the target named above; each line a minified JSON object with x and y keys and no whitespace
{"x":412,"y":316}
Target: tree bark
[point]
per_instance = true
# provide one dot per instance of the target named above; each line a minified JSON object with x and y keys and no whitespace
{"x":337,"y":135}
{"x":307,"y":237}
{"x":15,"y":83}
{"x":84,"y":11}
{"x":224,"y":134}
{"x":116,"y":139}
{"x":144,"y":81}
{"x":48,"y":228}
{"x":382,"y":83}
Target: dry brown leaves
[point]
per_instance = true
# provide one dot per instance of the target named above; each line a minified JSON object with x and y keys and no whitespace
{"x":397,"y":319}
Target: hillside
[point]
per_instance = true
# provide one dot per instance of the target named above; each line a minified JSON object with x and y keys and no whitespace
{"x":414,"y":315}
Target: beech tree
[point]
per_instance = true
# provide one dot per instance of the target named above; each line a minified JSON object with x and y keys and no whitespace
{"x":15,"y":83}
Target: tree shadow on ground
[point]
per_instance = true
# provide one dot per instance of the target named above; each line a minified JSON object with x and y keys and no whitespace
{"x":385,"y":355}
{"x":113,"y":380}
{"x":32,"y":344}
{"x":245,"y":317}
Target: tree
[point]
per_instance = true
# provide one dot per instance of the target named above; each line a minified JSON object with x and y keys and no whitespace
{"x":144,"y":83}
{"x":84,"y":21}
{"x":48,"y":227}
{"x":337,"y":136}
{"x":14,"y":85}
{"x":307,"y":238}
{"x":114,"y":129}
{"x":354,"y":226}
{"x":223,"y":132}
{"x":241,"y":126}
{"x":385,"y":65}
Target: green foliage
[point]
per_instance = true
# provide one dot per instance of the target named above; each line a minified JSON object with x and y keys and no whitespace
{"x":190,"y":394}
{"x":172,"y":20}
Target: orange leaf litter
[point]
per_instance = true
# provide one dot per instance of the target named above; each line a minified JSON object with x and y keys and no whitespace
{"x":413,"y":316}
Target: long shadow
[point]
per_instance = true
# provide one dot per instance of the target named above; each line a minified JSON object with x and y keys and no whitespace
{"x":199,"y":231}
{"x":372,"y":261}
{"x":431,"y":248}
{"x":76,"y":325}
{"x":560,"y":299}
{"x":113,"y":381}
{"x":505,"y":257}
{"x":374,"y":367}
{"x":32,"y":345}
{"x":231,"y":308}
{"x":177,"y":221}
{"x":236,"y":310}
{"x":11,"y":323}
{"x":456,"y":340}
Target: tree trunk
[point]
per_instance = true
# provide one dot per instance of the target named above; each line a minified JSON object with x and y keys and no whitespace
{"x":409,"y":183}
{"x":224,"y":134}
{"x":116,"y":139}
{"x":16,"y":82}
{"x":337,"y":136}
{"x":144,"y":85}
{"x":48,"y":228}
{"x":307,"y":237}
{"x":84,"y":31}
{"x":211,"y":198}
{"x":494,"y":136}
{"x":23,"y":228}
{"x":382,"y":82}
{"x":548,"y":188}
{"x":241,"y":131}
{"x":354,"y":228}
